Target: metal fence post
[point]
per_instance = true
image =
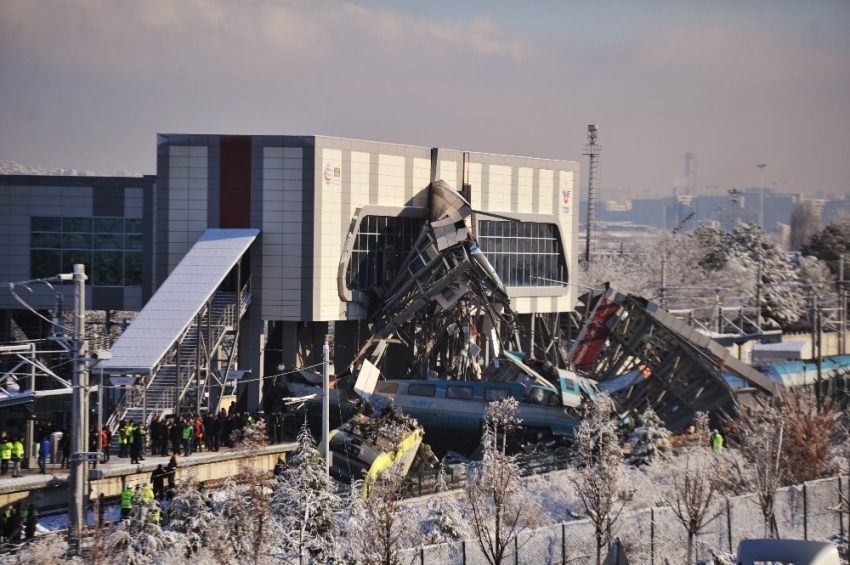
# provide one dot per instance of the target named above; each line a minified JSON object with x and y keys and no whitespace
{"x":729,"y":523}
{"x":422,"y":555}
{"x":840,"y":508}
{"x":652,"y":536}
{"x":805,"y":513}
{"x":516,"y":550}
{"x":463,"y":547}
{"x":563,"y":544}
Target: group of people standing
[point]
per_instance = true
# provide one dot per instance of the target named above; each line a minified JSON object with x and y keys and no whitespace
{"x":17,"y":525}
{"x":11,"y":451}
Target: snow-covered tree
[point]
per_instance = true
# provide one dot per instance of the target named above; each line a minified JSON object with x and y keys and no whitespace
{"x":444,"y":521}
{"x":829,"y":244}
{"x":243,"y":530}
{"x":495,"y":506}
{"x":190,"y":515}
{"x":703,"y":431}
{"x":140,"y":540}
{"x":598,"y":476}
{"x":378,"y":527}
{"x":304,"y":505}
{"x":650,"y":441}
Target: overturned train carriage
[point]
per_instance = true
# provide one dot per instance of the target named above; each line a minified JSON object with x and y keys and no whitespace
{"x":646,"y":357}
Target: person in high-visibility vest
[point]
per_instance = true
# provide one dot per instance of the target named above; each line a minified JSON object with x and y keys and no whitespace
{"x":5,"y":455}
{"x":188,"y":431}
{"x":17,"y":455}
{"x":716,"y":442}
{"x":126,"y":502}
{"x":147,"y":493}
{"x":122,"y":439}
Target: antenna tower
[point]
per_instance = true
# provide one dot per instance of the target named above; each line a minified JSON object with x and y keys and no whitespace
{"x":594,"y":151}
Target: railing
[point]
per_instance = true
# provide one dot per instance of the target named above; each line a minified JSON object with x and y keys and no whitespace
{"x":228,"y":317}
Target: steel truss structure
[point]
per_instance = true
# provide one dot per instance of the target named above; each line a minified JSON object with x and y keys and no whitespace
{"x":649,"y":358}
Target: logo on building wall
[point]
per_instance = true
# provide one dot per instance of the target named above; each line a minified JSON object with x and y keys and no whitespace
{"x":331,"y":174}
{"x":565,"y":196}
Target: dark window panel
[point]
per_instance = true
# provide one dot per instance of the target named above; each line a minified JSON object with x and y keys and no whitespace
{"x":109,"y":268}
{"x":43,"y":223}
{"x":109,"y":225}
{"x":76,"y":225}
{"x":46,"y":240}
{"x":132,"y":269}
{"x":108,"y":241}
{"x":44,"y":263}
{"x":133,"y":225}
{"x":71,"y":258}
{"x":133,"y":242}
{"x":76,"y":241}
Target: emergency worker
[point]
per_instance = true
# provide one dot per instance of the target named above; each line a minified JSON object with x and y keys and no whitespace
{"x":716,"y":441}
{"x":5,"y":455}
{"x":17,"y":455}
{"x":126,"y":502}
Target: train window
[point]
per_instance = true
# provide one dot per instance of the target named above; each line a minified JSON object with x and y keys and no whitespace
{"x":491,"y":394}
{"x":387,"y":388}
{"x":421,"y":390}
{"x":569,"y":384}
{"x":461,"y":392}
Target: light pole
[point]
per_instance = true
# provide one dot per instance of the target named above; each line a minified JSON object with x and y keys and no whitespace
{"x":761,"y":167}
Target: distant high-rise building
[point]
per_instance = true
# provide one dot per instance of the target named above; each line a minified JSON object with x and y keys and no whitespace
{"x":690,"y":173}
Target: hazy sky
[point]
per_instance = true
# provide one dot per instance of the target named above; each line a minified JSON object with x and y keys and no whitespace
{"x":88,"y":83}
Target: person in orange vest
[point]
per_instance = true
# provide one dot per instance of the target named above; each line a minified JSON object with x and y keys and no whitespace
{"x":199,"y":434}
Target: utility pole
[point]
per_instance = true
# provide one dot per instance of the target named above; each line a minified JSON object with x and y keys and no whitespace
{"x":842,"y":303}
{"x":594,"y":151}
{"x":663,"y":281}
{"x":326,"y":409}
{"x":761,"y":166}
{"x":79,"y":417}
{"x":758,"y":295}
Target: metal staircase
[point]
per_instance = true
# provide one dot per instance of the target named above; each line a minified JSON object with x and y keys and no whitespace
{"x":185,"y":373}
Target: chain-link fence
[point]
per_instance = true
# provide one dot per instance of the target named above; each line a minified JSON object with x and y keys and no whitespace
{"x":655,"y":536}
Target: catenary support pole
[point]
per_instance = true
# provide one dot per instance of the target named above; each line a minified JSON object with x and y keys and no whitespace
{"x":326,"y":409}
{"x":79,"y":416}
{"x":758,"y":296}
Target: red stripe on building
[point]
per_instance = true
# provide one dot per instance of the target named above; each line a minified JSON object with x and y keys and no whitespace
{"x":235,"y":184}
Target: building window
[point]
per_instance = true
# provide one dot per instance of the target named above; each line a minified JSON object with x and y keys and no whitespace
{"x":378,"y":250}
{"x":110,"y":248}
{"x":524,"y":253}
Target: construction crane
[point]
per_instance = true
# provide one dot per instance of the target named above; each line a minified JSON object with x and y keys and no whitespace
{"x":681,"y":224}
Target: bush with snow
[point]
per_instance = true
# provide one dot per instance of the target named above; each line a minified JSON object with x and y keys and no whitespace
{"x":651,"y":441}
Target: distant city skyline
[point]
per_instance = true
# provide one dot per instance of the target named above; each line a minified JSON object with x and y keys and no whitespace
{"x":87,"y":84}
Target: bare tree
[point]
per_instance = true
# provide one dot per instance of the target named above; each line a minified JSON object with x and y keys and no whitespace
{"x":761,"y":435}
{"x":497,"y":511}
{"x":695,"y":494}
{"x":599,"y":472}
{"x":808,"y":449}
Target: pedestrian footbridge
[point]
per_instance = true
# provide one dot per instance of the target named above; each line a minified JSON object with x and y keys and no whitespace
{"x":165,"y":357}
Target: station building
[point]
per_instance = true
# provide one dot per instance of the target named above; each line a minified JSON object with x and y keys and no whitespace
{"x":322,"y":219}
